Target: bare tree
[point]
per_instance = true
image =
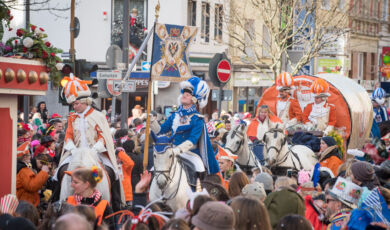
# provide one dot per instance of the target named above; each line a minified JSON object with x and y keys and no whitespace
{"x":263,"y":31}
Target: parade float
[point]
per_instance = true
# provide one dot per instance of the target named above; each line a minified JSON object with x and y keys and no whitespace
{"x":353,"y":105}
{"x":27,"y":63}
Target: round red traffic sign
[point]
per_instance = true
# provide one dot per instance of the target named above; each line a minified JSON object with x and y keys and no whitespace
{"x":223,"y":71}
{"x":110,"y":87}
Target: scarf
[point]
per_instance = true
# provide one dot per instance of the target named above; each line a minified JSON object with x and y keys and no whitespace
{"x":326,"y":152}
{"x":83,"y":127}
{"x":318,"y":110}
{"x":186,"y":112}
{"x":95,"y":196}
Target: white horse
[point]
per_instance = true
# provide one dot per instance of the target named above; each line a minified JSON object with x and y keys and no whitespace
{"x":279,"y":154}
{"x":237,"y":143}
{"x":85,"y":157}
{"x":170,"y":179}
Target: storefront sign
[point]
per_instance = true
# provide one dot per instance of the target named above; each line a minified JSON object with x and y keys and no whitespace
{"x":245,"y":79}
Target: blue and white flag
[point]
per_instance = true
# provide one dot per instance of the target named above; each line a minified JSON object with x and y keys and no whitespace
{"x":170,"y":52}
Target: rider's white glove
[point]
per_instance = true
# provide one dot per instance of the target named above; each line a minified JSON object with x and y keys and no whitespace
{"x":308,"y":126}
{"x":99,"y":147}
{"x":184,"y":147}
{"x":69,"y":146}
{"x":154,"y":126}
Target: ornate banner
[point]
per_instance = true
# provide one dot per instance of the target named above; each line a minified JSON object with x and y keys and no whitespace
{"x":170,"y":52}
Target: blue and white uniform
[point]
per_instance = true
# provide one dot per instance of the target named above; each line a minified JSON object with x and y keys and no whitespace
{"x":188,"y":125}
{"x":380,"y":113}
{"x":188,"y":128}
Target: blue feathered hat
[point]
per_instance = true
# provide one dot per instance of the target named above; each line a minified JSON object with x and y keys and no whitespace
{"x":379,"y":95}
{"x":198,"y":88}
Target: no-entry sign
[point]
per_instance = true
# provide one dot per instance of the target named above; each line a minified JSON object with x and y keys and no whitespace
{"x":223,"y":71}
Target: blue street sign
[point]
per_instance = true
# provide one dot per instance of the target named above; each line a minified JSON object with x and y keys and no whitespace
{"x":145,"y":66}
{"x":144,"y":75}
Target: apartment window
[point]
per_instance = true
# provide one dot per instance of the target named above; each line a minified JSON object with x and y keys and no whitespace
{"x":341,"y":5}
{"x":385,"y":9}
{"x":266,"y":42}
{"x":191,"y":20}
{"x":360,"y":73}
{"x":218,"y":23}
{"x":325,"y":4}
{"x":205,"y":22}
{"x":374,"y":66}
{"x":250,"y":37}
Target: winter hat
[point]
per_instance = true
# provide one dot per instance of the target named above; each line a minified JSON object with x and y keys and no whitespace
{"x":214,"y":215}
{"x":330,"y":141}
{"x":19,"y":223}
{"x":8,"y":204}
{"x":256,"y":189}
{"x":23,"y":149}
{"x":266,"y":180}
{"x":362,"y":171}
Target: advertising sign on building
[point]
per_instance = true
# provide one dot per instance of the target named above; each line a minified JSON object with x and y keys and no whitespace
{"x":329,"y":65}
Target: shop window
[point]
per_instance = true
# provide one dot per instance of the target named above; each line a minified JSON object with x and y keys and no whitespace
{"x":205,"y":22}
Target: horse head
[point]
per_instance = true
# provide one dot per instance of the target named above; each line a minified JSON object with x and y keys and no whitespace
{"x":274,"y":141}
{"x":235,"y":138}
{"x":163,"y":158}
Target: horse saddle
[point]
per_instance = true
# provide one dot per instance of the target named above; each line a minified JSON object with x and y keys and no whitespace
{"x":191,"y":166}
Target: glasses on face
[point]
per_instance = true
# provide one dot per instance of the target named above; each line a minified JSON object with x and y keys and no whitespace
{"x":264,"y":106}
{"x":328,"y":200}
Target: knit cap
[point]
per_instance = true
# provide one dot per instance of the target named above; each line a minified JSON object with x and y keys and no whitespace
{"x":363,"y":171}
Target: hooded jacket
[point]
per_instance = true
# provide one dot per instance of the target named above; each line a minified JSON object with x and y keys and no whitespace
{"x":330,"y":158}
{"x":28,"y":183}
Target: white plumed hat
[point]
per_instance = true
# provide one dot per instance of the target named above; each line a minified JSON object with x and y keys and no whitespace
{"x":198,"y":88}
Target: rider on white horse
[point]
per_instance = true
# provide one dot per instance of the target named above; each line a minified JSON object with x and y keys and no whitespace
{"x":320,"y":114}
{"x":191,"y":139}
{"x":287,"y":107}
{"x":87,"y":129}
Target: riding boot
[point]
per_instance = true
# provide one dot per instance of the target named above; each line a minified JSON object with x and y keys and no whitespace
{"x":57,"y":184}
{"x":201,"y":175}
{"x":115,"y":190}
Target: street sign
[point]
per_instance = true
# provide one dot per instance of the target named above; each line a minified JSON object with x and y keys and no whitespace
{"x":125,"y":87}
{"x":219,"y":69}
{"x":145,"y":66}
{"x":110,"y":87}
{"x":223,"y":71}
{"x":65,"y":55}
{"x":109,"y":74}
{"x":227,"y":95}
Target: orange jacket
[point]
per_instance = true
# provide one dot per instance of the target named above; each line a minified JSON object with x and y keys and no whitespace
{"x":294,"y":110}
{"x":127,"y":168}
{"x":69,"y":131}
{"x":99,"y":208}
{"x":252,"y":128}
{"x":333,"y":163}
{"x":28,"y":184}
{"x":332,"y":113}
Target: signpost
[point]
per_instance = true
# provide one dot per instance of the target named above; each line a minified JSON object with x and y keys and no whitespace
{"x":126,"y":86}
{"x":219,"y":73}
{"x":109,"y":74}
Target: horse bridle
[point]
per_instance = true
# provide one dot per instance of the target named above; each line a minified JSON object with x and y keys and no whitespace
{"x":234,"y":133}
{"x":166,"y":173}
{"x":276,"y":131}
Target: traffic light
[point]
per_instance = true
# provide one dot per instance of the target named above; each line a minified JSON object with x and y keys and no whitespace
{"x":67,"y":68}
{"x":85,"y":68}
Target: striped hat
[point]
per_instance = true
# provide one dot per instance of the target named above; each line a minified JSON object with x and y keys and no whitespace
{"x":23,"y":149}
{"x":75,"y":88}
{"x":379,"y":95}
{"x":284,"y":81}
{"x":8,"y":204}
{"x":320,"y":88}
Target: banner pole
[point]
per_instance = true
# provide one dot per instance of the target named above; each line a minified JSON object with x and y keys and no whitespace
{"x":148,"y":109}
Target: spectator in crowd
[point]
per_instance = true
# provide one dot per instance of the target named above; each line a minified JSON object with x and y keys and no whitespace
{"x":214,"y":215}
{"x":84,"y":181}
{"x":250,"y":214}
{"x":363,"y":174}
{"x":267,"y":180}
{"x":329,"y":156}
{"x":293,"y":222}
{"x":42,"y":110}
{"x":28,"y":183}
{"x":237,"y":183}
{"x":28,"y":211}
{"x":72,"y":221}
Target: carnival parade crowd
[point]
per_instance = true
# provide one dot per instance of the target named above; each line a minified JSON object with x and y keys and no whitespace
{"x":345,"y":189}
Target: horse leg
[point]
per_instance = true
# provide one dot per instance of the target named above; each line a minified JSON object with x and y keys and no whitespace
{"x":57,"y":187}
{"x":115,"y":189}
